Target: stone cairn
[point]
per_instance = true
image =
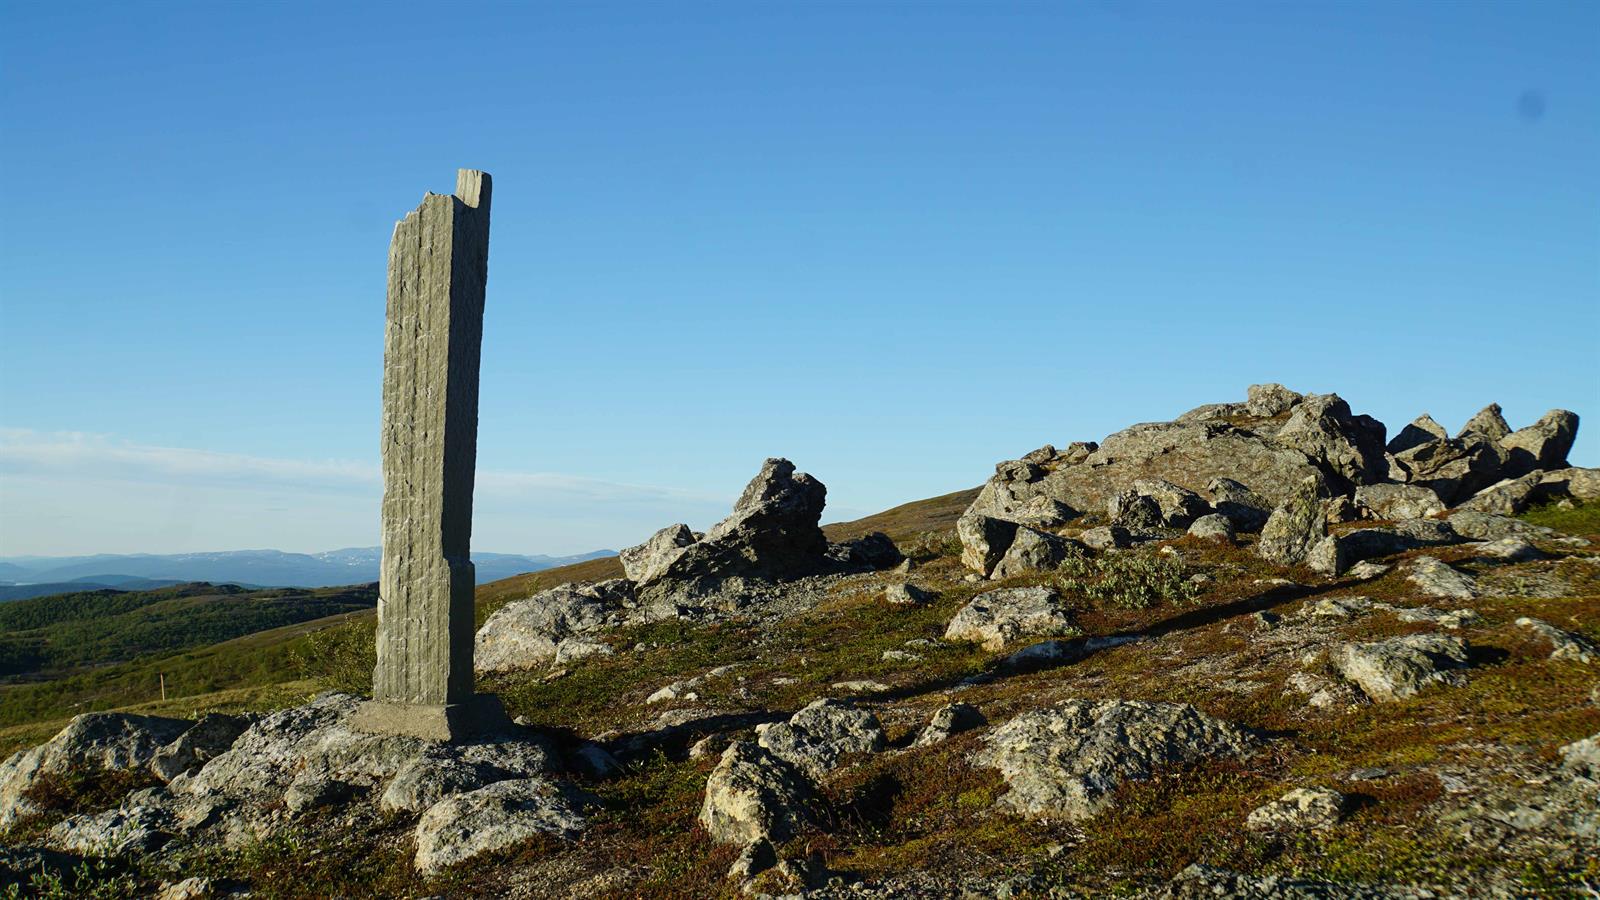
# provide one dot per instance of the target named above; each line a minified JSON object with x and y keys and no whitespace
{"x":438,"y":267}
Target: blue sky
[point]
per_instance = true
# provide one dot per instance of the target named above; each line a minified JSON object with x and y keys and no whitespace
{"x":894,"y":242}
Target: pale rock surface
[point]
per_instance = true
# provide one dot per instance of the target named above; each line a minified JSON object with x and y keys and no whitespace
{"x":1397,"y":501}
{"x":553,"y":626}
{"x":1397,"y":668}
{"x":996,"y":618}
{"x":1438,"y":579}
{"x":821,"y":734}
{"x":753,"y":795}
{"x":1564,"y":644}
{"x":1302,"y":809}
{"x":1542,"y":445}
{"x":1296,"y":526}
{"x":1065,"y":761}
{"x":90,"y":742}
{"x":491,"y":818}
{"x":948,"y":720}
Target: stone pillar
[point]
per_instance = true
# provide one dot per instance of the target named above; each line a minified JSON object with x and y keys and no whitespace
{"x":438,"y":266}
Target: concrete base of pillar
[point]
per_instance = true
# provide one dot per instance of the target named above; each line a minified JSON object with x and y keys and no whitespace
{"x":449,"y":723}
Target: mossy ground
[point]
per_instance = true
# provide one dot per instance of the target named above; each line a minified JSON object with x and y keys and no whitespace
{"x":929,"y":809}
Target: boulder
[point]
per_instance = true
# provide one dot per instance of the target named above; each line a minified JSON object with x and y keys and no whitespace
{"x":1482,"y":526}
{"x":1564,"y":645}
{"x":1453,"y":469}
{"x":1361,"y":544}
{"x":869,"y":552}
{"x":495,"y":817}
{"x":772,"y":534}
{"x":130,"y":828}
{"x":1295,"y":527}
{"x":1488,"y":423}
{"x":1179,"y":506}
{"x":1328,"y":557}
{"x":1066,"y":761}
{"x":1438,"y":579}
{"x":90,"y":742}
{"x":1302,"y":809}
{"x":1509,"y":549}
{"x":1422,"y":430}
{"x":1031,"y":551}
{"x":1507,"y":498}
{"x":533,"y":632}
{"x":214,"y":733}
{"x":984,"y":541}
{"x":1542,"y":445}
{"x":1268,"y":400}
{"x":650,"y":560}
{"x":1214,"y":526}
{"x":948,"y":720}
{"x":904,"y":593}
{"x":1348,"y":447}
{"x":1397,"y":501}
{"x":1106,"y":537}
{"x":816,"y":738}
{"x":996,"y":618}
{"x":753,"y":795}
{"x":1247,"y":510}
{"x":1134,"y":511}
{"x":1397,"y":668}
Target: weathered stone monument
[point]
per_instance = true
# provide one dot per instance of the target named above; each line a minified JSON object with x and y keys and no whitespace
{"x":438,"y":266}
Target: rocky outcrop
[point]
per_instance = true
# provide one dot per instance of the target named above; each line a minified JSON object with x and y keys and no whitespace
{"x":214,"y":733}
{"x":1542,"y":445}
{"x":949,"y":720}
{"x":1030,"y":551}
{"x":1246,"y":509}
{"x":753,"y":795}
{"x":1438,"y":579}
{"x":1397,"y":668}
{"x":999,"y":617}
{"x":1302,"y":809}
{"x":553,"y":626}
{"x":491,"y":818}
{"x":1064,"y":762}
{"x":1564,"y":645}
{"x":984,"y":540}
{"x":1397,"y":501}
{"x":772,"y":534}
{"x":815,"y":739}
{"x":91,"y":742}
{"x":1296,"y":526}
{"x":1422,"y":430}
{"x":1349,"y":447}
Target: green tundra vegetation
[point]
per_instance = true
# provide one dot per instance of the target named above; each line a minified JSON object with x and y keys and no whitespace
{"x":927,"y":807}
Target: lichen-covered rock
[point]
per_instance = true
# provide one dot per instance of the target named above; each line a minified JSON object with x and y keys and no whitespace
{"x":1397,"y":668}
{"x":491,"y":818}
{"x":1302,"y":809}
{"x":1482,"y":526}
{"x":821,"y":734}
{"x":1178,"y":505}
{"x":1064,"y":762}
{"x":998,"y":617}
{"x":1422,"y":430}
{"x":1106,"y":537}
{"x":1246,"y":509}
{"x":534,"y":632}
{"x":1030,"y":551}
{"x":1542,"y":445}
{"x":984,"y":541}
{"x":1438,"y":579}
{"x":90,"y":742}
{"x":1134,"y":511}
{"x":904,"y":593}
{"x":948,"y":720}
{"x":1295,"y":527}
{"x":753,"y":795}
{"x":1563,"y":644}
{"x":214,"y":733}
{"x":651,"y":559}
{"x":1328,"y":557}
{"x":1268,"y":400}
{"x":1215,"y":527}
{"x":131,"y":828}
{"x":772,"y":534}
{"x":1348,"y":446}
{"x":1397,"y":501}
{"x":1454,"y":469}
{"x":1509,"y":549}
{"x":1198,"y":882}
{"x":1488,"y":423}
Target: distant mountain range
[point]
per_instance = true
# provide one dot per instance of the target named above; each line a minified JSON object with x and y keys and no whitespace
{"x":29,"y":575}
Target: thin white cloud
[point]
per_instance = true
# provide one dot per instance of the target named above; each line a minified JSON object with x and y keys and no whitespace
{"x":73,"y":454}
